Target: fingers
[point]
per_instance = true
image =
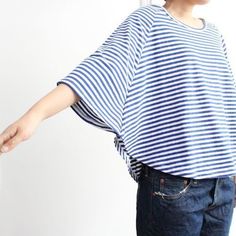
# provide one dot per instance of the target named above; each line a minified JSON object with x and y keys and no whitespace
{"x":8,"y":139}
{"x":11,"y":144}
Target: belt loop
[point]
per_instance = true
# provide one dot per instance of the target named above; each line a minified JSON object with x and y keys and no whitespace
{"x":234,"y":179}
{"x":146,"y":170}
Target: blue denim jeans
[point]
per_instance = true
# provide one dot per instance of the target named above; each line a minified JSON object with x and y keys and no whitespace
{"x":169,"y":205}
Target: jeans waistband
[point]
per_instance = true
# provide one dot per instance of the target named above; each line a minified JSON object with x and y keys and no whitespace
{"x":151,"y":172}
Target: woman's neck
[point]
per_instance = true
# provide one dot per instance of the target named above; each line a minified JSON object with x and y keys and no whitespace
{"x":183,"y":11}
{"x":179,"y":8}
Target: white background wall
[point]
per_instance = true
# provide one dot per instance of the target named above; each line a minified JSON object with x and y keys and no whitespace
{"x":47,"y":184}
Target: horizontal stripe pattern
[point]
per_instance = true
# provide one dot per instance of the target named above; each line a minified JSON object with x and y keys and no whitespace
{"x":166,"y":90}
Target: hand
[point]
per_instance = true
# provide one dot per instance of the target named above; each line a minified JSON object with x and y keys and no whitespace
{"x":17,"y":132}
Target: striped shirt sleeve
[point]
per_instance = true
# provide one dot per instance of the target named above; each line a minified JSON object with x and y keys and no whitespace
{"x":225,"y":50}
{"x":101,"y":80}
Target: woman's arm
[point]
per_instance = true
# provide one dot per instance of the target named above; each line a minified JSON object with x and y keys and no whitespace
{"x":55,"y":101}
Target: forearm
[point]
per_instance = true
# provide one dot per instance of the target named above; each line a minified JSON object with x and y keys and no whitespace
{"x":58,"y":99}
{"x":55,"y":101}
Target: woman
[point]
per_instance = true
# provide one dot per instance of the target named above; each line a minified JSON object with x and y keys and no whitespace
{"x":163,"y":85}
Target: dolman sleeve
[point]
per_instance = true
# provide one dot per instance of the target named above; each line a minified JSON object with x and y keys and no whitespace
{"x":225,"y":50}
{"x":102,"y":79}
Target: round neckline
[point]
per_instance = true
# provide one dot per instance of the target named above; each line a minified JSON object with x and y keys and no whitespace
{"x":182,"y":23}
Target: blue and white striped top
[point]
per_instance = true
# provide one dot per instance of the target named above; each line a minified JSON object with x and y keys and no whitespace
{"x":167,"y":92}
